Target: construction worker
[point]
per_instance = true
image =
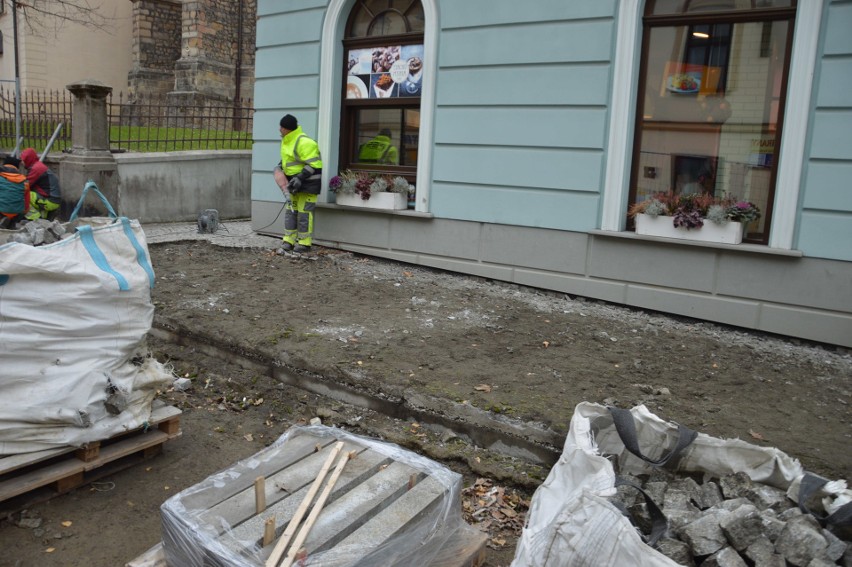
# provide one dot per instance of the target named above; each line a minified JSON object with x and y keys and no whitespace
{"x":14,"y":192}
{"x":45,"y":193}
{"x":379,"y":150}
{"x":301,"y":168}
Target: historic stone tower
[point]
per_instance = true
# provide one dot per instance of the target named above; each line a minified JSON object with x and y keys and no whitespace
{"x":193,"y":52}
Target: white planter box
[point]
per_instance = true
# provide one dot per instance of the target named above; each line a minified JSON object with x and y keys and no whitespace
{"x":730,"y":233}
{"x":392,"y":201}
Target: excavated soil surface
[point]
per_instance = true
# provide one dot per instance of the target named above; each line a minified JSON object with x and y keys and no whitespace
{"x":447,"y":365}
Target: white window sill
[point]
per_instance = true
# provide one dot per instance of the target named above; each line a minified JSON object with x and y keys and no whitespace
{"x":401,"y":212}
{"x":745,"y":247}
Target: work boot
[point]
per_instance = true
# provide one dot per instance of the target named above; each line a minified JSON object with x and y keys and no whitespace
{"x":302,"y":249}
{"x":286,"y":246}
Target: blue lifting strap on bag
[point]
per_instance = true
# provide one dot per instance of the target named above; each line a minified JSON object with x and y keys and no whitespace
{"x":90,"y":185}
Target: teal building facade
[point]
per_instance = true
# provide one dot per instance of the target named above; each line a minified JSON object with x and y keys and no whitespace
{"x":534,"y":129}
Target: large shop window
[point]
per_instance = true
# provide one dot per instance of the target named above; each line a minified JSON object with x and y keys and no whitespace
{"x":710,"y":105}
{"x":382,"y":82}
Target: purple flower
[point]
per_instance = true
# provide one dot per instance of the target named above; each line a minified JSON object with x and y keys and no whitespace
{"x":335,"y":183}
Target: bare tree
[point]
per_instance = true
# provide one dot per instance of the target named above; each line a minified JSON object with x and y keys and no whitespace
{"x":49,"y":16}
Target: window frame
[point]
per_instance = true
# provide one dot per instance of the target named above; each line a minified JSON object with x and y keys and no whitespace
{"x":787,"y":14}
{"x":350,"y":107}
{"x":329,"y":108}
{"x":622,"y":104}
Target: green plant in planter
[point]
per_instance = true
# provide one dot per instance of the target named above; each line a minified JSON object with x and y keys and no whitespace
{"x":743,"y":211}
{"x":401,"y":185}
{"x":717,"y":214}
{"x":655,"y":208}
{"x":365,"y":184}
{"x":690,"y":211}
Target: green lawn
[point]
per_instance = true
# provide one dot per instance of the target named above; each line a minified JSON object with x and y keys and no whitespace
{"x":138,"y":139}
{"x":148,"y":139}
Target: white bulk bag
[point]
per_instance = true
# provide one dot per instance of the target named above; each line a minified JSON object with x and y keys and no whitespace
{"x":571,"y":521}
{"x":74,"y":316}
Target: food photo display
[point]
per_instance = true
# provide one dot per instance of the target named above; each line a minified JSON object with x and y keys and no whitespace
{"x":385,"y":72}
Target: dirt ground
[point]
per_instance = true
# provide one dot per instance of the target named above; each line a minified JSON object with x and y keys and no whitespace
{"x":423,"y":342}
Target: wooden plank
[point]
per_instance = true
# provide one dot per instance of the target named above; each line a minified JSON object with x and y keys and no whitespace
{"x":296,"y":546}
{"x":14,"y":462}
{"x":281,"y":546}
{"x":66,"y":468}
{"x":348,"y":513}
{"x":359,"y":470}
{"x":266,"y":464}
{"x":70,"y":482}
{"x":241,"y":505}
{"x":88,"y":452}
{"x":126,"y":447}
{"x":160,"y":413}
{"x":40,"y":477}
{"x":65,"y":472}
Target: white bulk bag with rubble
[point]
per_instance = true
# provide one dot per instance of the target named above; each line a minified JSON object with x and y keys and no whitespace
{"x":571,"y":522}
{"x":74,"y":316}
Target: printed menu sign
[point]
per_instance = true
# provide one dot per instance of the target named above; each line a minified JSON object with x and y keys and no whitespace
{"x":385,"y":72}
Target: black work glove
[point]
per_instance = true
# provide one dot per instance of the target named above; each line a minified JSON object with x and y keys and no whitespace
{"x":294,"y":185}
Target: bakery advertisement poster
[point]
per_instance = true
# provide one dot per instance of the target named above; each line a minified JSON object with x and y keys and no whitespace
{"x":385,"y":72}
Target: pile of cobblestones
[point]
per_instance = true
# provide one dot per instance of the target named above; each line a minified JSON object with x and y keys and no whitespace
{"x":731,"y":522}
{"x":36,"y":233}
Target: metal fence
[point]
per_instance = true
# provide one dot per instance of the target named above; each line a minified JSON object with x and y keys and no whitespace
{"x":167,"y":123}
{"x":157,"y":123}
{"x":41,"y":112}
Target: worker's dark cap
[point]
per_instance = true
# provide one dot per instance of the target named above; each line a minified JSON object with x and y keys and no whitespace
{"x":289,"y":122}
{"x":11,"y":160}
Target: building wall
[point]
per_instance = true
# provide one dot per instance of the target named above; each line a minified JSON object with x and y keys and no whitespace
{"x":521,"y":122}
{"x":825,"y":224}
{"x":50,"y":59}
{"x":287,"y":77}
{"x":148,"y":47}
{"x":217,"y":44}
{"x":156,"y":46}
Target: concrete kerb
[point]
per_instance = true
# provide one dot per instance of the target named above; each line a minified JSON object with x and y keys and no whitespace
{"x":531,"y":442}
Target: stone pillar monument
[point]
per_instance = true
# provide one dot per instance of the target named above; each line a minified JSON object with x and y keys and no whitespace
{"x":89,"y":158}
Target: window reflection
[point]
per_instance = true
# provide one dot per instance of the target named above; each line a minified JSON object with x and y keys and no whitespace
{"x":386,"y":136}
{"x":710,"y":112}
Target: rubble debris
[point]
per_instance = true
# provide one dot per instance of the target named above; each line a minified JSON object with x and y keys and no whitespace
{"x":36,"y":233}
{"x":730,"y":521}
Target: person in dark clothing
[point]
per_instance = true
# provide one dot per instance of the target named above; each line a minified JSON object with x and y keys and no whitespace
{"x":14,"y":192}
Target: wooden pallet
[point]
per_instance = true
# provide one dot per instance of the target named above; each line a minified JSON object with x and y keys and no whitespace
{"x":55,"y":471}
{"x":377,"y":501}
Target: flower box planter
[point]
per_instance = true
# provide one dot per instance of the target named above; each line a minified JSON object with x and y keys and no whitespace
{"x":390,"y":201}
{"x":730,"y":233}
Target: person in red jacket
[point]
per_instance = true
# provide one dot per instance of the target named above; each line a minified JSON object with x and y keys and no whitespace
{"x":45,"y":193}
